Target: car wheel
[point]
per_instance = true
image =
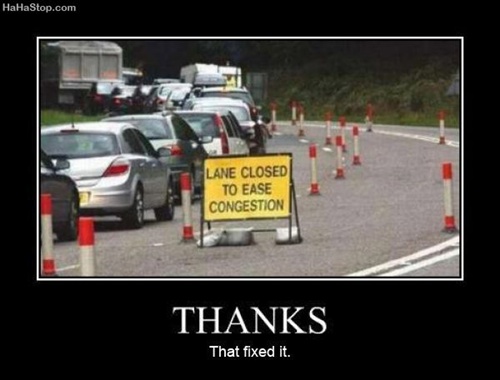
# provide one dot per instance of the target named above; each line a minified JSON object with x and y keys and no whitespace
{"x":69,"y":230}
{"x":134,"y":217}
{"x":167,"y":211}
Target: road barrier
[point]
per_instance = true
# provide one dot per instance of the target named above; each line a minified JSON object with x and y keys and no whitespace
{"x":369,"y":118}
{"x":187,"y":229}
{"x":342,"y":132}
{"x":441,"y":128}
{"x":328,"y":120}
{"x":340,"y":167}
{"x":48,"y":262}
{"x":301,"y":121}
{"x":294,"y":113}
{"x":314,"y":176}
{"x":86,"y":241}
{"x":273,"y":117}
{"x":356,"y":160}
{"x":449,"y":219}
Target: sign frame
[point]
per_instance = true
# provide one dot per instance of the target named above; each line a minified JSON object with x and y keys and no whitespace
{"x":291,"y":196}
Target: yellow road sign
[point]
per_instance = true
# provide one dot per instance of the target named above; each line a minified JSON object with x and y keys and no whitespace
{"x":247,"y":187}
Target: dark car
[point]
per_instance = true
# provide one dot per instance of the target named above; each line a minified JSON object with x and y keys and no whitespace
{"x":122,"y":100}
{"x":65,"y":198}
{"x":98,"y":98}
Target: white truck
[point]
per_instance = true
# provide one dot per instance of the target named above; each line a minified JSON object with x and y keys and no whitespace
{"x":231,"y":73}
{"x":69,"y":67}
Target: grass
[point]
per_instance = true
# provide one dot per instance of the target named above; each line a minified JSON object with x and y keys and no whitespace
{"x":412,"y":97}
{"x":54,"y":117}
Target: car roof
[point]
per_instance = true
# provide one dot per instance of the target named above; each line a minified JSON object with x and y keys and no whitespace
{"x":124,"y":118}
{"x":224,"y":89}
{"x":99,"y":126}
{"x":219,"y":100}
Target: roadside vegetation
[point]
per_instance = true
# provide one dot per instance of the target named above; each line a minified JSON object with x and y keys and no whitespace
{"x":412,"y":97}
{"x":53,"y":117}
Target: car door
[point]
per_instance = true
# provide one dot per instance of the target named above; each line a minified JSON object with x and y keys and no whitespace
{"x":193,"y":151}
{"x":237,"y":143}
{"x":142,"y":165}
{"x":158,"y":171}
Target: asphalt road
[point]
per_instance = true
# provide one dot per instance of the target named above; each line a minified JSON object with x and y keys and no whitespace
{"x":389,"y":207}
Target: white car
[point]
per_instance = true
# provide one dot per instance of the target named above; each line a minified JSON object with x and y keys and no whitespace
{"x":228,"y":137}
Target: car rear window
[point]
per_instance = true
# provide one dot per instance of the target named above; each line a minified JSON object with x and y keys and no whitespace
{"x":80,"y":145}
{"x":203,"y":125}
{"x":153,"y":129}
{"x":228,"y":94}
{"x":241,"y":113}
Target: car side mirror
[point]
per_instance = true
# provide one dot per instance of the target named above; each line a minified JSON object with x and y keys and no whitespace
{"x":163,"y":152}
{"x":62,"y":164}
{"x":206,"y":139}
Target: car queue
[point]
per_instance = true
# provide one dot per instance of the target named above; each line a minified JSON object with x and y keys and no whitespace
{"x":131,"y":160}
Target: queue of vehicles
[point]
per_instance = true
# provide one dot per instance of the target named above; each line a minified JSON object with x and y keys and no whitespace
{"x":131,"y":160}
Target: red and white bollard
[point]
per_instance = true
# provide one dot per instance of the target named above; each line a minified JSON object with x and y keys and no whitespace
{"x":314,"y":175}
{"x":86,"y":242}
{"x":356,"y":160}
{"x":48,"y":263}
{"x":441,"y":128}
{"x":301,"y":121}
{"x":187,"y":229}
{"x":369,"y":117}
{"x":294,"y":112}
{"x":340,"y":166}
{"x":328,"y":120}
{"x":342,"y":132}
{"x":273,"y":117}
{"x":449,"y":219}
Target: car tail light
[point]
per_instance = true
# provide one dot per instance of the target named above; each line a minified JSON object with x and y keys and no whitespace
{"x":117,"y":101}
{"x":117,"y":167}
{"x":175,"y":150}
{"x":223,"y":135}
{"x":97,"y":98}
{"x":159,"y":101}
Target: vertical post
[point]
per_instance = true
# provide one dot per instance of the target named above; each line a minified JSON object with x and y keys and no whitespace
{"x":314,"y":176}
{"x":369,"y":117}
{"x":301,"y":121}
{"x":449,"y":219}
{"x":328,"y":120}
{"x":273,"y":117}
{"x":441,"y":128}
{"x":340,"y":166}
{"x":48,"y":263}
{"x":356,"y":160}
{"x":187,"y":229}
{"x":342,"y":132}
{"x":86,"y":241}
{"x":294,"y":112}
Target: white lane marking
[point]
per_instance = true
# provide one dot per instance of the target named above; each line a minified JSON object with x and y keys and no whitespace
{"x":69,"y":267}
{"x":304,"y":141}
{"x":391,"y":264}
{"x":327,"y":149}
{"x":454,"y":144}
{"x":422,"y":264}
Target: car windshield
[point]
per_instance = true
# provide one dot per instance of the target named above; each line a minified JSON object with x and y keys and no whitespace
{"x":240,"y":113}
{"x":79,"y":145}
{"x":203,"y":125}
{"x":164,"y":91}
{"x":245,"y":96}
{"x":153,"y":129}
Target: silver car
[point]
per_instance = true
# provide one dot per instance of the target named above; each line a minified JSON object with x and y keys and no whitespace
{"x":116,"y":169}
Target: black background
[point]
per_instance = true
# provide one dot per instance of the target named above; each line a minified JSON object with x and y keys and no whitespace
{"x":123,"y":326}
